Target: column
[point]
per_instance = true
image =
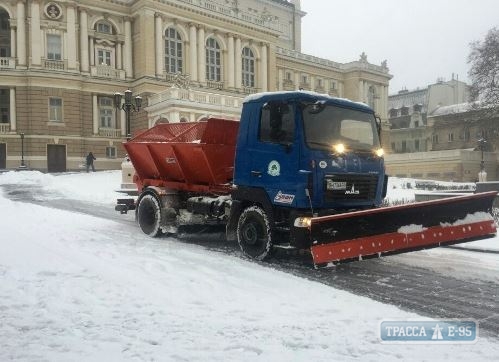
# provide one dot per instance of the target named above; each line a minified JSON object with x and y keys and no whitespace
{"x":128,"y":48}
{"x":71,"y":36}
{"x":264,"y":68}
{"x":36,"y":40}
{"x":119,"y":55}
{"x":238,"y":64}
{"x":201,"y":56}
{"x":193,"y":53}
{"x":92,"y":52}
{"x":158,"y":34}
{"x":122,"y":116}
{"x":13,"y":53}
{"x":230,"y":63}
{"x":83,"y":41}
{"x":12,"y":110}
{"x":280,"y":79}
{"x":21,"y":34}
{"x":95,"y":114}
{"x":361,"y":92}
{"x":384,"y":102}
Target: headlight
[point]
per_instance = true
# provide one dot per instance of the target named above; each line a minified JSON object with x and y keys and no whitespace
{"x":339,"y":148}
{"x":379,"y":152}
{"x":303,"y":222}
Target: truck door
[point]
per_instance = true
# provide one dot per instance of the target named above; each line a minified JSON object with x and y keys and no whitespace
{"x":275,"y":153}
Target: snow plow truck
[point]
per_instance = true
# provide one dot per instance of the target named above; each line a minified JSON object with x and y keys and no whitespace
{"x":299,"y":170}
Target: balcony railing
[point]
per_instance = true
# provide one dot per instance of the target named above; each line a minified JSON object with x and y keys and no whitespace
{"x":232,"y":103}
{"x":333,"y":92}
{"x":214,"y":84}
{"x":237,"y":11}
{"x":9,"y":63}
{"x":249,"y":90}
{"x":288,"y":84}
{"x":305,"y":86}
{"x":54,"y":64}
{"x":4,"y":128}
{"x":110,"y":132}
{"x":107,"y":71}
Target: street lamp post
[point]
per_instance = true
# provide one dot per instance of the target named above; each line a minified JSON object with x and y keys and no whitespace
{"x":482,"y":175}
{"x":128,"y":107}
{"x":22,"y":166}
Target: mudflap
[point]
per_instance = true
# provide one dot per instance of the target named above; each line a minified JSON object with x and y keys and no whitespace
{"x":398,"y":229}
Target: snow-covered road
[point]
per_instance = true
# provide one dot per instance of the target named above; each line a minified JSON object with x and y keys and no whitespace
{"x":81,"y":287}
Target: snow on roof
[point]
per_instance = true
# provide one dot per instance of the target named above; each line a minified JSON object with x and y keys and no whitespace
{"x":452,"y":109}
{"x":407,"y":99}
{"x":300,"y":93}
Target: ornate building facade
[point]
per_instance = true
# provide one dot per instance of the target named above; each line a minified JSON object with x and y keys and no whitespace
{"x":61,"y":62}
{"x":435,"y":134}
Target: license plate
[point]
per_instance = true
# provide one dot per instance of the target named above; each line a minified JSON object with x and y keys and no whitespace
{"x":336,"y":185}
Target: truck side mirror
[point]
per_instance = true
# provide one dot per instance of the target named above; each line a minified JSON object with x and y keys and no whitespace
{"x":288,"y":146}
{"x":378,"y":126}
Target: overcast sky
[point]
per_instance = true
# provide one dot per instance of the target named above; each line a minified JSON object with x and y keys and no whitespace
{"x":422,"y":40}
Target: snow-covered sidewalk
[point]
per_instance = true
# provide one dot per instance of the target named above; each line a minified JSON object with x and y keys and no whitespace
{"x":76,"y":287}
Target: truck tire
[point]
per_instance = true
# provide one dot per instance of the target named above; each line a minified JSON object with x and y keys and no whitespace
{"x":149,"y":215}
{"x":254,"y":234}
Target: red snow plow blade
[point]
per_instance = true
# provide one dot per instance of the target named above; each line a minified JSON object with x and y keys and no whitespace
{"x":398,"y":229}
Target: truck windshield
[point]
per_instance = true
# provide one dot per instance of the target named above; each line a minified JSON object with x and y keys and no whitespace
{"x":328,"y":125}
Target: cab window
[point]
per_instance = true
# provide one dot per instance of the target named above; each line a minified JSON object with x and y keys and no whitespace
{"x":277,"y":124}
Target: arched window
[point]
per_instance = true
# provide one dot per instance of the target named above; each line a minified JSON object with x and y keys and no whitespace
{"x":4,"y":34}
{"x":104,"y":27}
{"x":173,"y":51}
{"x":248,"y":68}
{"x":161,"y":119}
{"x":213,"y":60}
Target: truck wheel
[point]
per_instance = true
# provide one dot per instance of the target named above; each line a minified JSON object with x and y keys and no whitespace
{"x":149,"y":215}
{"x":253,"y":233}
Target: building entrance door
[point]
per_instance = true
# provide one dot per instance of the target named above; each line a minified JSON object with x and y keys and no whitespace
{"x":3,"y":155}
{"x":56,"y":158}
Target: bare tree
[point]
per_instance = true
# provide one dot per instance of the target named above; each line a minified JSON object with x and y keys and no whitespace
{"x":484,"y":76}
{"x":484,"y":72}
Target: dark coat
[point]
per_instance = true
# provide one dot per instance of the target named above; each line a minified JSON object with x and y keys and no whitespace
{"x":90,"y":158}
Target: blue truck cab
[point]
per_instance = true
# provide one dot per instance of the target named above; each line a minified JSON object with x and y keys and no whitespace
{"x":306,"y":154}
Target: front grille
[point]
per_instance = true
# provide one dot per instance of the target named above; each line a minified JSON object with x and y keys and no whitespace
{"x":350,"y":187}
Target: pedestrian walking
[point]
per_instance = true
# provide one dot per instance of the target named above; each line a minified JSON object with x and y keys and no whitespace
{"x":90,"y":161}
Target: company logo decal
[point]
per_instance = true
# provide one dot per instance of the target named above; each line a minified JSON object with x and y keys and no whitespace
{"x":352,"y":191}
{"x":274,"y":168}
{"x":171,"y":160}
{"x":323,"y":164}
{"x":284,"y":198}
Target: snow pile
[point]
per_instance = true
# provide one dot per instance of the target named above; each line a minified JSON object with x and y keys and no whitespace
{"x":476,"y":217}
{"x":96,"y":187}
{"x":413,"y":228}
{"x":398,"y":190}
